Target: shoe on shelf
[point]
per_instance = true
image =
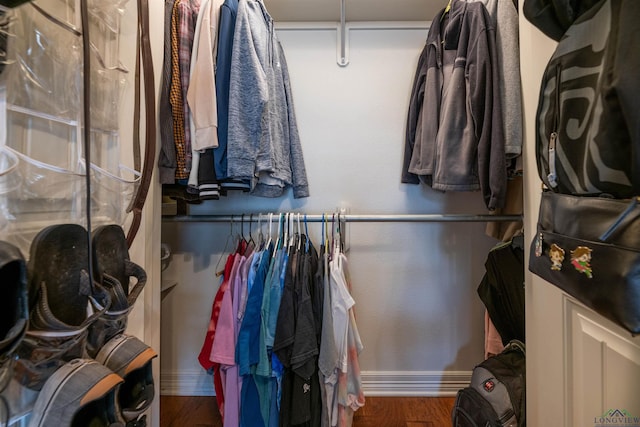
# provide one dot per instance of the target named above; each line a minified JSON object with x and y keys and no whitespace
{"x":80,"y":393}
{"x":63,"y":303}
{"x":13,"y":317}
{"x":131,"y":359}
{"x":114,"y":269}
{"x":13,"y":307}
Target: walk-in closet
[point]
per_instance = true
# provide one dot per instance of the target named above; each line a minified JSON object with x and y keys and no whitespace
{"x":413,"y":276}
{"x":414,"y":282}
{"x":418,"y":255}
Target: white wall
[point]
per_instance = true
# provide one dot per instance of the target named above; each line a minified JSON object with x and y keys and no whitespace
{"x":545,"y":349}
{"x":419,"y":316}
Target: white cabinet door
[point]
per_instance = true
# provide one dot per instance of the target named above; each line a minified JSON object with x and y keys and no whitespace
{"x":602,"y":370}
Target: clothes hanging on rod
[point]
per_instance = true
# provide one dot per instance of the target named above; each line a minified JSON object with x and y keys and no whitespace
{"x":282,"y":332}
{"x":227,"y":95}
{"x":341,"y":367}
{"x":209,"y":99}
{"x":458,"y":78}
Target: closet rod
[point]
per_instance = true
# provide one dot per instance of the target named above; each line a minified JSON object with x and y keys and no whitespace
{"x":350,"y":218}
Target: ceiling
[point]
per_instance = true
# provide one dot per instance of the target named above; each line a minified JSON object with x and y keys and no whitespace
{"x":356,"y":10}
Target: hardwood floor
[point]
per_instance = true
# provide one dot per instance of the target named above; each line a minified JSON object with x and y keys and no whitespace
{"x":191,"y":411}
{"x":180,"y":411}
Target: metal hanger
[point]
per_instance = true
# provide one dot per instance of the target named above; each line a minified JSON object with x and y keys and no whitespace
{"x":224,"y":250}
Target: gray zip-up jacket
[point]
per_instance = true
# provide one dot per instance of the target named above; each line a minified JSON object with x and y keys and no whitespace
{"x":460,"y":145}
{"x":264,"y":145}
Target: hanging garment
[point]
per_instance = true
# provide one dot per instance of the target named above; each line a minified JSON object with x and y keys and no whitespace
{"x":263,"y":142}
{"x":350,"y":391}
{"x":502,"y":289}
{"x":228,"y":15}
{"x":461,"y":145}
{"x":305,"y":345}
{"x":340,"y":310}
{"x":215,"y":165}
{"x":305,"y":393}
{"x":186,"y":33}
{"x":183,"y":22}
{"x":201,"y":93}
{"x":265,"y":377}
{"x":201,"y":97}
{"x":328,"y":357}
{"x":285,"y":334}
{"x":242,"y":292}
{"x":224,"y":344}
{"x":227,"y":26}
{"x":204,"y":358}
{"x":341,"y":303}
{"x":167,"y":162}
{"x":180,"y":9}
{"x":248,"y":346}
{"x":322,"y":297}
{"x":209,"y":187}
{"x":192,"y":180}
{"x":492,"y":340}
{"x":504,"y":16}
{"x":318,"y":397}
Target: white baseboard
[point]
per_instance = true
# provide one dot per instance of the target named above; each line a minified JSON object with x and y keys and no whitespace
{"x":186,"y":383}
{"x":414,"y":383}
{"x":380,"y":383}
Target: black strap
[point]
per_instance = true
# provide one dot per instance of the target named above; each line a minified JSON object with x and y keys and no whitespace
{"x":150,"y":119}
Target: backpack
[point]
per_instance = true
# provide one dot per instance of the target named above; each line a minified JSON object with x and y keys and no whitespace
{"x":588,"y":157}
{"x":587,"y":140}
{"x":496,"y":395}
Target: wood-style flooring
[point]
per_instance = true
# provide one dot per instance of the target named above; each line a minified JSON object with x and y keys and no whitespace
{"x":180,"y":411}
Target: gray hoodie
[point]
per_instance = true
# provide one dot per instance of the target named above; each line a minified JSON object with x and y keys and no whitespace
{"x":264,"y":144}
